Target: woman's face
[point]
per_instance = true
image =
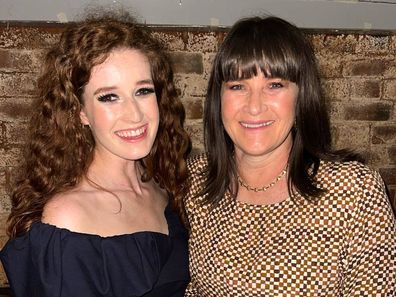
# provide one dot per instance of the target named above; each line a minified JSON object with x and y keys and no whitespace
{"x":120,"y":105}
{"x":258,"y":114}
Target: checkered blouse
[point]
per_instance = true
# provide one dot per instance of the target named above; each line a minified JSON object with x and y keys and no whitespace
{"x":343,"y":246}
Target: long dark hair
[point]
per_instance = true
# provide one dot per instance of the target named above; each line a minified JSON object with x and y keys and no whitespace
{"x":59,"y":149}
{"x":278,"y":49}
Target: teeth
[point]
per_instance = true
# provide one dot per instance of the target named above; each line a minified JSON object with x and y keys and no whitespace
{"x":131,"y":133}
{"x":246,"y":125}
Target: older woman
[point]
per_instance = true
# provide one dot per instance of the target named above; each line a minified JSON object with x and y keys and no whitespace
{"x":273,"y":210}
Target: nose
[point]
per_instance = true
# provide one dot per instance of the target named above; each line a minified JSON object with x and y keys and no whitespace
{"x":256,"y":101}
{"x":132,"y":110}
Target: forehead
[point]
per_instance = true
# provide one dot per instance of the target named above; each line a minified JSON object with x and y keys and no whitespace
{"x":122,"y":69}
{"x":122,"y":60}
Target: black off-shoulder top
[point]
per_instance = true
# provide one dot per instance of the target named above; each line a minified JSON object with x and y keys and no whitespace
{"x":49,"y":261}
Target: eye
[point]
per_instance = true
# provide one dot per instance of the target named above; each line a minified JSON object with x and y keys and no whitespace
{"x":234,"y":86}
{"x":276,"y":85}
{"x":108,"y":97}
{"x":145,"y":91}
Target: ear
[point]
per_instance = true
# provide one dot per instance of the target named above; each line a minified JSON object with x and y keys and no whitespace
{"x":84,"y":118}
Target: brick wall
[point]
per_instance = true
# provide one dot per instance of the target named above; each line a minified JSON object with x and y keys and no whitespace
{"x":359,"y":81}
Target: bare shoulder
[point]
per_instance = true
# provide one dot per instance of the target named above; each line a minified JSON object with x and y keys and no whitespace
{"x":64,"y":210}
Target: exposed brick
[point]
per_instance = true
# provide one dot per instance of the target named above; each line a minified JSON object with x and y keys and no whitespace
{"x":5,"y":203}
{"x":377,"y":111}
{"x":338,"y":44}
{"x":28,"y":37}
{"x":3,"y":134}
{"x":392,"y":43}
{"x":194,"y":108}
{"x":329,"y":68}
{"x":187,"y":62}
{"x":389,"y":175}
{"x":12,"y":174}
{"x":10,"y":156}
{"x":204,"y":42}
{"x":172,"y":40}
{"x":208,"y":60}
{"x":5,"y":58}
{"x":350,"y":135}
{"x":390,"y":89}
{"x":392,"y":196}
{"x":15,"y":109}
{"x":336,"y":110}
{"x":3,"y":180}
{"x":384,"y":134}
{"x":392,"y":154}
{"x":365,"y":88}
{"x":17,"y":84}
{"x":191,"y":85}
{"x":380,"y":155}
{"x":15,"y":133}
{"x":336,"y":89}
{"x":372,"y":44}
{"x":390,"y":68}
{"x":21,"y":60}
{"x":364,"y":68}
{"x":195,"y":130}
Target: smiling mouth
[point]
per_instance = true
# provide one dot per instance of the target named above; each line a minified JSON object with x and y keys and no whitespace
{"x":132,"y":133}
{"x":257,"y":125}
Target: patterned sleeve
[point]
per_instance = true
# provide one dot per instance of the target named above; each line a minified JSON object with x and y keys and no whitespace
{"x":196,"y":165}
{"x":191,"y":291}
{"x":371,"y":252}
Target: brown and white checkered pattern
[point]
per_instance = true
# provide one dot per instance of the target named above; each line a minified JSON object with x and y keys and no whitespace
{"x":345,"y":245}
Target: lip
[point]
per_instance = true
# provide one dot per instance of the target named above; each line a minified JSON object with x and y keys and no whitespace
{"x":256,"y":125}
{"x":134,"y":134}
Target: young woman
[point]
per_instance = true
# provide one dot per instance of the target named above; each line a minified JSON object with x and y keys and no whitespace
{"x":92,"y":214}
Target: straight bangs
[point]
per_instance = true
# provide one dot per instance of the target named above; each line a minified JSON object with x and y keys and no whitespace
{"x":263,"y":50}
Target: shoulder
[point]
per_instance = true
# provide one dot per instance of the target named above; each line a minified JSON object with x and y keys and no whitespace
{"x":197,"y":164}
{"x":353,"y":181}
{"x":64,"y":210}
{"x":352,"y":173}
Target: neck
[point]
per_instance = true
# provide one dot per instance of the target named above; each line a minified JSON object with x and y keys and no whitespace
{"x":115,"y":174}
{"x":260,"y":171}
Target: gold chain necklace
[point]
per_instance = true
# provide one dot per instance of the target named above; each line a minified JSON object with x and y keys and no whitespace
{"x":264,"y":188}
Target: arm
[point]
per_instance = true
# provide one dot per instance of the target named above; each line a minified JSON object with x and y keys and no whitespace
{"x":370,"y":267}
{"x":191,"y":291}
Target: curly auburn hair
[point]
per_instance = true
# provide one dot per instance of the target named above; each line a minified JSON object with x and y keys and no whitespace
{"x":59,"y":150}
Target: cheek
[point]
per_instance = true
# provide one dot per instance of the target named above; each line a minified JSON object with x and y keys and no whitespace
{"x":229,"y":107}
{"x":103,"y":117}
{"x":151,"y":109}
{"x":285,"y":107}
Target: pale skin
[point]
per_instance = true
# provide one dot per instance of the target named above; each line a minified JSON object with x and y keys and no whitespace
{"x":120,"y":106}
{"x":258,"y":114}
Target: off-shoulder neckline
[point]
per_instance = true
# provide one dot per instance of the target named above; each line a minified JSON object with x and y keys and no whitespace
{"x":40,"y":224}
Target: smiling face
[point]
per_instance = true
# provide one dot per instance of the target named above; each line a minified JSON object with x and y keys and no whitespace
{"x":258,"y":114}
{"x":120,"y":105}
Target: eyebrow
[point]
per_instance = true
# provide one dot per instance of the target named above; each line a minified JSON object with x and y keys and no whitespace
{"x":111,"y":88}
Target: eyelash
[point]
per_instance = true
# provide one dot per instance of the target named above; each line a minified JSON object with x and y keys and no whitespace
{"x":111,"y":97}
{"x":108,"y":97}
{"x":145,"y":91}
{"x":235,"y":87}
